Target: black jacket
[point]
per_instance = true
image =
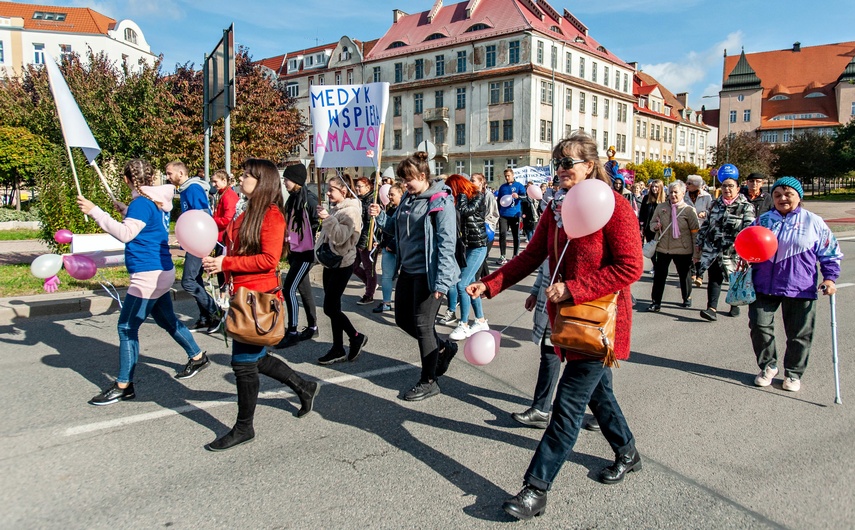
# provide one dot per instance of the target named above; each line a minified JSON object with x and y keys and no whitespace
{"x":530,"y":212}
{"x":366,"y":200}
{"x":471,"y":214}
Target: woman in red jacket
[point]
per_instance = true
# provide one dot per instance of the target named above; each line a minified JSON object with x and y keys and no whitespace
{"x":607,"y":261}
{"x":224,"y":212}
{"x":253,"y":248}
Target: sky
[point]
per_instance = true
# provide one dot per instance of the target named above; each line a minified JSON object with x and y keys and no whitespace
{"x":679,"y":42}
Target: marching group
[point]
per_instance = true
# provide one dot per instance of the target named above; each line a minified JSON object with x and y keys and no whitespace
{"x":432,"y":240}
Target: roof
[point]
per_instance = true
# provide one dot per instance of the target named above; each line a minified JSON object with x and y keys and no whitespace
{"x":647,"y":83}
{"x":274,"y":63}
{"x":806,"y":75}
{"x":455,"y":22}
{"x":77,"y":19}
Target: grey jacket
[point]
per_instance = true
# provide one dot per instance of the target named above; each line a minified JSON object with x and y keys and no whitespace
{"x":701,"y":205}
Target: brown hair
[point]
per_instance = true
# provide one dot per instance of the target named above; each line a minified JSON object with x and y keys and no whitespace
{"x":412,"y":166}
{"x":268,"y":191}
{"x":179,"y":165}
{"x":346,"y":188}
{"x":586,"y":148}
{"x":140,"y":173}
{"x":223,"y":174}
{"x":460,"y":184}
{"x":660,"y":197}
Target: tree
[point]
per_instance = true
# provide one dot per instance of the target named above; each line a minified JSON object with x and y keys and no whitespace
{"x":844,"y":146}
{"x":746,"y":152}
{"x":808,"y":156}
{"x":23,"y":157}
{"x":648,"y":170}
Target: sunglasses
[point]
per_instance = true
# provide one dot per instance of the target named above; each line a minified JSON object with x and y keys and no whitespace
{"x":567,"y":163}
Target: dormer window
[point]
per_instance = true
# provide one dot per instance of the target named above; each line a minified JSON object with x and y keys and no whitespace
{"x":556,"y":29}
{"x":293,"y":65}
{"x":435,"y":36}
{"x":478,"y":27}
{"x":345,"y":54}
{"x":641,"y":103}
{"x":602,"y":49}
{"x":47,"y":15}
{"x":130,"y":35}
{"x":779,"y":97}
{"x":579,"y":40}
{"x":396,"y":44}
{"x":815,"y":95}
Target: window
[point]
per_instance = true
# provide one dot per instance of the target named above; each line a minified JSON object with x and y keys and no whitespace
{"x":514,"y":52}
{"x":593,"y":105}
{"x":733,"y":116}
{"x":350,"y":76}
{"x":461,"y":61}
{"x":460,"y":166}
{"x":338,"y":78}
{"x":788,"y":136}
{"x":568,"y":100}
{"x":545,"y":131}
{"x":321,"y":79}
{"x":771,"y":137}
{"x":568,"y":131}
{"x":621,"y":143}
{"x":606,"y":105}
{"x":491,"y":55}
{"x":852,"y":111}
{"x":553,"y":58}
{"x":399,"y":72}
{"x":606,"y":75}
{"x":420,"y":68}
{"x":546,"y":92}
{"x":582,"y":67}
{"x":582,"y":102}
{"x":418,"y":103}
{"x":292,"y":89}
{"x":311,"y":80}
{"x":439,"y":98}
{"x":397,"y":144}
{"x":511,"y":163}
{"x":39,"y":53}
{"x":622,"y":108}
{"x":594,"y":135}
{"x":460,"y":136}
{"x":682,"y":137}
{"x":65,"y":49}
{"x":658,"y":131}
{"x":440,"y":65}
{"x":292,"y":65}
{"x":494,"y":130}
{"x":701,"y":141}
{"x":594,"y":71}
{"x":396,"y":106}
{"x":692,"y":140}
{"x":568,"y":63}
{"x":439,"y":167}
{"x":310,"y":60}
{"x":539,"y":162}
{"x":509,"y":91}
{"x":539,"y":53}
{"x":418,"y":136}
{"x":130,"y":35}
{"x":625,"y":83}
{"x":439,"y":135}
{"x":461,"y":98}
{"x":644,"y":129}
{"x":746,"y":115}
{"x":638,"y":128}
{"x":345,"y":54}
{"x":617,"y":79}
{"x":48,"y":15}
{"x":507,"y":130}
{"x":488,"y":169}
{"x":495,"y":92}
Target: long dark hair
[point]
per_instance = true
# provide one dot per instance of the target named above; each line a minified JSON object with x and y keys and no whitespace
{"x":295,"y":205}
{"x":268,"y":191}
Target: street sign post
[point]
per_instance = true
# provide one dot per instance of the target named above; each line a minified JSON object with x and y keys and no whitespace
{"x":219,"y":95}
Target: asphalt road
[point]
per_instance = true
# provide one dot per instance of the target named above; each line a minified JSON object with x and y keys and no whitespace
{"x":718,"y":452}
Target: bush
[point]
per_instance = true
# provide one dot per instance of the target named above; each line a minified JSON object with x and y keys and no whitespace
{"x":9,"y":214}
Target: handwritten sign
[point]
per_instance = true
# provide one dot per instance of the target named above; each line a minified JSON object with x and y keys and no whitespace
{"x":347,"y":121}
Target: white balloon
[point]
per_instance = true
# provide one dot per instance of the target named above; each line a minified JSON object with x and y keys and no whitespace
{"x":506,"y":200}
{"x":46,"y":265}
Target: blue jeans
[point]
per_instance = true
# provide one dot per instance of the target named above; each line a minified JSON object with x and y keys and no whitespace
{"x":583,"y":383}
{"x":243,"y":353}
{"x":134,"y":312}
{"x":388,"y":263}
{"x":474,"y":259}
{"x":191,"y":281}
{"x":547,"y":378}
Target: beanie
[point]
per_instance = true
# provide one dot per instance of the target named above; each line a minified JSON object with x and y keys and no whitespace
{"x":790,"y":182}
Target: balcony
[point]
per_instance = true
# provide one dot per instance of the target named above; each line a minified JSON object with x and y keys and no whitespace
{"x":435,"y":114}
{"x":442,"y":150}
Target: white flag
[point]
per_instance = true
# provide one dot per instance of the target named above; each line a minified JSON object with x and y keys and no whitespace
{"x":75,"y":130}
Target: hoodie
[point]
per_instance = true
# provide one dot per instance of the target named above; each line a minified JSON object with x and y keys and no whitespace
{"x":194,"y":195}
{"x":342,"y":229}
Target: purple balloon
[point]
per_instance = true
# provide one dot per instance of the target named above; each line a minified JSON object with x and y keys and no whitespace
{"x":79,"y":267}
{"x":63,"y":236}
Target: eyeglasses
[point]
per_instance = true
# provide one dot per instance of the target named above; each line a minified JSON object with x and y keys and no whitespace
{"x":728,"y":185}
{"x":566,"y":163}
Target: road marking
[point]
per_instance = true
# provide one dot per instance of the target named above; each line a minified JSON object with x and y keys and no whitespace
{"x":206,"y":405}
{"x":842,"y":285}
{"x":848,"y":238}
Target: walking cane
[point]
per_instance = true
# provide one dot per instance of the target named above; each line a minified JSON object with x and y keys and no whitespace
{"x":834,"y":349}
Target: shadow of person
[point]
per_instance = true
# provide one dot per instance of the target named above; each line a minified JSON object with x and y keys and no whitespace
{"x":88,"y":356}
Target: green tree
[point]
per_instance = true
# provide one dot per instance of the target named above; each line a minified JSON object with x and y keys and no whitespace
{"x":23,"y":157}
{"x":844,"y":146}
{"x":807,"y":157}
{"x":648,"y":170}
{"x":746,"y":152}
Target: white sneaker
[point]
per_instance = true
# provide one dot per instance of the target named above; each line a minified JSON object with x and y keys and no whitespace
{"x":791,"y":384}
{"x":478,"y":325}
{"x":460,"y":332}
{"x":765,"y":377}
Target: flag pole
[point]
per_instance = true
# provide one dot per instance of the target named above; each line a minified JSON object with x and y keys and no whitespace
{"x":376,"y":185}
{"x":103,"y":180}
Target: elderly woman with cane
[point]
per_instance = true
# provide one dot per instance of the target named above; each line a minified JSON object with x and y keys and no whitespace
{"x":789,"y":280}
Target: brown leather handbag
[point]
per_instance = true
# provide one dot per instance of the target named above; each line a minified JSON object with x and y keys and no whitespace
{"x":255,"y":317}
{"x":587,"y":328}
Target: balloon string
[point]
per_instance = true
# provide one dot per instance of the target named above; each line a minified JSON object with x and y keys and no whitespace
{"x":514,"y":321}
{"x":114,"y":294}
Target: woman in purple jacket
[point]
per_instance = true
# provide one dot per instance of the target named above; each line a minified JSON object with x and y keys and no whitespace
{"x":788,"y":280}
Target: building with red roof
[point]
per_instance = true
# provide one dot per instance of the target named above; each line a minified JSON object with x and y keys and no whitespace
{"x":29,"y":31}
{"x":778,"y":94}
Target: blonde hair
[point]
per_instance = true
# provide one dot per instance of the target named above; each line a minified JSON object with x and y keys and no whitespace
{"x":140,"y":173}
{"x":660,"y":197}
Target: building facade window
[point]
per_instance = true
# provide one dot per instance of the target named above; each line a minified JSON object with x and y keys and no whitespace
{"x":491,"y":55}
{"x":460,"y":135}
{"x":625,"y":83}
{"x":418,"y":103}
{"x":545,"y":131}
{"x":350,"y":77}
{"x":509,"y":90}
{"x":746,"y":115}
{"x":440,"y":167}
{"x":514,"y":52}
{"x":338,"y":78}
{"x":293,"y":89}
{"x":682,"y":138}
{"x":459,"y":166}
{"x":606,"y":75}
{"x":321,"y":80}
{"x":399,"y":72}
{"x":733,"y":116}
{"x":418,"y":137}
{"x":507,"y":130}
{"x":495,"y":93}
{"x":439,"y":98}
{"x":644,"y":129}
{"x":511,"y":163}
{"x":582,"y":67}
{"x":606,"y":105}
{"x":568,"y":99}
{"x":593,"y":105}
{"x":420,"y":68}
{"x":38,"y":53}
{"x":617,"y":79}
{"x":130,"y":35}
{"x":461,"y":61}
{"x":440,"y":65}
{"x":461,"y":98}
{"x":494,"y":130}
{"x":439,"y":135}
{"x":376,"y":74}
{"x":692,"y":141}
{"x":396,"y":106}
{"x":594,"y":71}
{"x":852,"y":111}
{"x":397,"y":143}
{"x":65,"y":49}
{"x":568,"y":63}
{"x":3,"y":57}
{"x":488,"y":169}
{"x":546,"y":92}
{"x":770,"y":137}
{"x":553,"y":57}
{"x":582,"y":102}
{"x":701,"y":142}
{"x":539,"y":53}
{"x":638,"y":128}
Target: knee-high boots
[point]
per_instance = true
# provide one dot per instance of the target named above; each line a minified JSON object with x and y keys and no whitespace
{"x":246,"y":379}
{"x":279,"y":370}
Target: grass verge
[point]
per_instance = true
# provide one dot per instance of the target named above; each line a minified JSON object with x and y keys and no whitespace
{"x":18,"y":234}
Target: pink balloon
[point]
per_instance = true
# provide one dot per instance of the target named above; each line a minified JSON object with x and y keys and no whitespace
{"x":482,"y":347}
{"x":383,"y":193}
{"x":196,"y":232}
{"x":506,"y":200}
{"x":587,"y":207}
{"x":63,"y":236}
{"x":79,"y":267}
{"x":534,"y":192}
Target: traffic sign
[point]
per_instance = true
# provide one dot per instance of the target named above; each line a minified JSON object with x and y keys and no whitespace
{"x":667,"y":172}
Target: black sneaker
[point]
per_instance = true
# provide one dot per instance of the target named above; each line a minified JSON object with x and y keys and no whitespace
{"x":365,"y":300}
{"x":114,"y":394}
{"x":335,"y":355}
{"x":356,"y":346}
{"x":422,"y":391}
{"x":290,"y":339}
{"x":193,"y":367}
{"x":709,"y":314}
{"x":445,"y":356}
{"x":383,"y":306}
{"x":214,"y":325}
{"x":201,"y":325}
{"x":308,"y":333}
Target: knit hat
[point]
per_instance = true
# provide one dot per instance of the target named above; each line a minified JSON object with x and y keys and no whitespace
{"x":790,"y":182}
{"x":296,"y":173}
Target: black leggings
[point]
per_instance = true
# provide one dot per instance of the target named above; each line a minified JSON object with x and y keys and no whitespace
{"x":506,"y":223}
{"x":683,"y":262}
{"x":335,"y":281}
{"x":714,"y":281}
{"x":297,"y":279}
{"x":415,"y":313}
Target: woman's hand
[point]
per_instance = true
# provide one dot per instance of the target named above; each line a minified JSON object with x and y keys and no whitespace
{"x":476,"y":289}
{"x":374,"y":210}
{"x":437,"y":295}
{"x":322,"y":213}
{"x":827,"y":288}
{"x":530,"y":302}
{"x":515,"y":196}
{"x":702,"y":215}
{"x":557,"y":292}
{"x":120,"y":207}
{"x":212,"y":264}
{"x":85,"y":204}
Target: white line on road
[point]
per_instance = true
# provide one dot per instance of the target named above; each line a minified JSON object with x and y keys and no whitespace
{"x":842,"y":285}
{"x":205,"y":405}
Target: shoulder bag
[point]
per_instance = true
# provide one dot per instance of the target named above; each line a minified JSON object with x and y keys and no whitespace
{"x":255,"y":317}
{"x":741,"y":290}
{"x":649,"y":248}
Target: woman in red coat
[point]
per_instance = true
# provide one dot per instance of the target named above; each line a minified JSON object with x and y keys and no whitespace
{"x":224,"y":212}
{"x":253,"y":248}
{"x":593,"y":266}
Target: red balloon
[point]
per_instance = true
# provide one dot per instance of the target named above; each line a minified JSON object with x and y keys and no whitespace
{"x":756,"y":244}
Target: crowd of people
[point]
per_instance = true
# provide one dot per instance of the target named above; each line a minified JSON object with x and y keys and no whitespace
{"x":431,"y":240}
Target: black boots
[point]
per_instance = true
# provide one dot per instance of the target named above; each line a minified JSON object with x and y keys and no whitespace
{"x":305,"y":390}
{"x":624,"y":463}
{"x":246,"y":379}
{"x":529,"y":502}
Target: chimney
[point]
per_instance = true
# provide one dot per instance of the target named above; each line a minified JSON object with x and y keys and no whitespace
{"x":397,"y":15}
{"x":683,"y":98}
{"x":797,"y":46}
{"x":634,"y":65}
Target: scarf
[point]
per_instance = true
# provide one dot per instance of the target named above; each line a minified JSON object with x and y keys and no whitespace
{"x":557,"y":200}
{"x":675,"y":226}
{"x":728,"y":202}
